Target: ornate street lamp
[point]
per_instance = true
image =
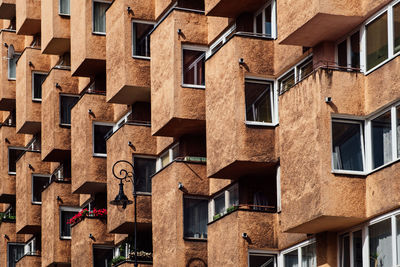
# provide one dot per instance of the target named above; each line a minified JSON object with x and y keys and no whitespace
{"x":121,"y":199}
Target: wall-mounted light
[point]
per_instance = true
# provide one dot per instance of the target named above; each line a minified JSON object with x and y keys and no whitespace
{"x":245,"y":236}
{"x":129,"y":9}
{"x":58,"y":86}
{"x":91,"y":237}
{"x":179,"y":32}
{"x":91,"y":112}
{"x":7,"y":237}
{"x":241,"y":61}
{"x":6,"y":45}
{"x":59,"y":199}
{"x":31,"y":167}
{"x":131,"y":145}
{"x":328,"y":99}
{"x":7,"y":141}
{"x":30,"y":64}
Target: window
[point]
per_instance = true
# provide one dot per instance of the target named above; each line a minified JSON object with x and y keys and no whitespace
{"x":304,"y":69}
{"x":287,"y":81}
{"x":12,"y":67}
{"x":257,"y":259}
{"x":350,"y":246}
{"x":195,"y":217}
{"x":224,"y":202}
{"x":305,"y":253}
{"x":193,"y":67}
{"x":144,"y":169}
{"x":380,"y":243}
{"x":377,"y":41}
{"x":99,"y":16}
{"x":100,"y":131}
{"x":64,"y":7}
{"x":264,"y":20}
{"x":66,"y":104}
{"x":15,"y":251}
{"x":294,"y":75}
{"x":39,"y":182}
{"x":347,"y":146}
{"x":348,"y":51}
{"x":102,"y":256}
{"x":37,"y":81}
{"x":141,"y":38}
{"x":66,"y":213}
{"x":381,"y":139}
{"x":258,"y":95}
{"x":396,"y":28}
{"x":167,"y":157}
{"x":30,"y":247}
{"x":13,"y":155}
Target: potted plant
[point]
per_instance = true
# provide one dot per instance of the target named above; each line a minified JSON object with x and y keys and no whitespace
{"x":117,"y":260}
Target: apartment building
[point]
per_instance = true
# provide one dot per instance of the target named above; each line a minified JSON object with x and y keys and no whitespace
{"x":252,"y":133}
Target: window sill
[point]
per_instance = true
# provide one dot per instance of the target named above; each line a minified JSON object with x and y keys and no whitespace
{"x":36,"y":203}
{"x":141,"y":57}
{"x":257,"y":123}
{"x":65,"y":125}
{"x":64,"y":15}
{"x":382,"y":63}
{"x":12,"y":79}
{"x":358,"y":173}
{"x":65,"y":237}
{"x":12,"y":173}
{"x":37,"y":100}
{"x":98,"y":155}
{"x":195,"y":239}
{"x":99,"y":33}
{"x":193,"y":86}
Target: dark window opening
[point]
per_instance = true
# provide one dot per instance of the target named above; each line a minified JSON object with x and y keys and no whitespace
{"x":99,"y":141}
{"x":38,"y":79}
{"x":195,"y":217}
{"x":39,"y":183}
{"x":102,"y":256}
{"x":13,"y":156}
{"x":144,"y":169}
{"x":141,"y":38}
{"x":193,"y":67}
{"x":66,"y":104}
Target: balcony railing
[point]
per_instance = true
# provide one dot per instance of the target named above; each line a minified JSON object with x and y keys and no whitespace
{"x":8,"y":215}
{"x":10,"y":121}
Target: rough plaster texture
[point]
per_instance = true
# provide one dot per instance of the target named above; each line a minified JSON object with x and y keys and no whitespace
{"x":7,"y":87}
{"x":231,"y":8}
{"x":176,"y":110}
{"x":216,"y":26}
{"x":55,"y":29}
{"x":83,"y":83}
{"x":128,"y":78}
{"x":7,"y":9}
{"x":120,"y":220}
{"x":89,"y":173}
{"x":28,"y":214}
{"x":88,"y":50}
{"x":29,"y":112}
{"x":160,"y":6}
{"x":7,"y":228}
{"x":167,"y":206}
{"x":163,"y":143}
{"x":326,"y":249}
{"x":29,"y":260}
{"x":227,"y":154}
{"x":54,"y":249}
{"x":56,"y":140}
{"x":7,"y":182}
{"x":27,"y":16}
{"x":81,"y":244}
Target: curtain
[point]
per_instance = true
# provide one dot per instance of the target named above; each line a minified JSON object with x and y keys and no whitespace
{"x":382,"y":139}
{"x":308,"y":256}
{"x":195,"y":217}
{"x":291,"y":259}
{"x":99,"y":19}
{"x":380,"y":244}
{"x":64,"y":7}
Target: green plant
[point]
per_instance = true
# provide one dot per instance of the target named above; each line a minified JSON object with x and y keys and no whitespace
{"x":217,"y":216}
{"x":117,"y":260}
{"x":230,"y":209}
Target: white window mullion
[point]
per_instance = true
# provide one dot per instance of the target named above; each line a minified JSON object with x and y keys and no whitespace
{"x":278,"y":189}
{"x":365,"y":246}
{"x":348,"y":51}
{"x":368,"y":146}
{"x":273,"y":19}
{"x":363,"y":48}
{"x":390,"y":31}
{"x":394,"y":254}
{"x":394,"y":133}
{"x":299,"y":257}
{"x":227,"y":204}
{"x":351,"y":250}
{"x":263,"y":21}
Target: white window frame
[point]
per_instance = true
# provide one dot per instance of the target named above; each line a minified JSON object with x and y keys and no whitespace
{"x":133,"y":48}
{"x":8,"y":249}
{"x":278,"y":189}
{"x":257,"y":252}
{"x":183,"y":212}
{"x":67,"y":95}
{"x":170,"y":152}
{"x":348,"y":48}
{"x":220,"y":41}
{"x":59,"y":9}
{"x":226,"y":193}
{"x":65,"y":208}
{"x":8,"y":68}
{"x":33,"y":85}
{"x":193,"y":48}
{"x":98,"y":1}
{"x":8,"y":160}
{"x":273,"y":18}
{"x":30,"y":247}
{"x":145,"y":157}
{"x":93,"y":144}
{"x":32,"y":178}
{"x":297,"y":247}
{"x":296,"y":70}
{"x":273,"y":99}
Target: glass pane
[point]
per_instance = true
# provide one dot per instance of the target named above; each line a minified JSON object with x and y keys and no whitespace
{"x":12,"y":67}
{"x":141,"y":39}
{"x":342,"y":54}
{"x":308,"y":256}
{"x":380,"y":244}
{"x":66,"y":104}
{"x":291,"y":259}
{"x":15,"y":252}
{"x":64,"y":7}
{"x":234,"y":196}
{"x":357,"y":249}
{"x":257,"y":260}
{"x":144,"y":169}
{"x":377,"y":41}
{"x":346,"y":146}
{"x":398,"y":238}
{"x":38,"y":79}
{"x":39,"y":183}
{"x":220,"y":203}
{"x":345,"y":251}
{"x":65,"y":227}
{"x":102,"y":256}
{"x":381,"y":140}
{"x":259,"y":23}
{"x":355,"y":50}
{"x":100,"y":132}
{"x":193,"y":67}
{"x":165,"y":159}
{"x":258,"y":102}
{"x":13,"y":155}
{"x":287,"y":82}
{"x":99,"y":17}
{"x":305,"y":69}
{"x":195,"y":217}
{"x":396,"y":28}
{"x":398,"y":130}
{"x":268,"y":24}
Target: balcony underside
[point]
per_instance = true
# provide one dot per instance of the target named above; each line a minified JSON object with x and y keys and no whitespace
{"x":322,"y":27}
{"x":57,"y":46}
{"x":326,"y":223}
{"x":29,"y":229}
{"x":128,"y":228}
{"x":7,"y":11}
{"x":7,"y":198}
{"x":90,"y":67}
{"x":177,"y":127}
{"x":57,"y":155}
{"x":7,"y":104}
{"x":232,"y":8}
{"x":29,"y":127}
{"x":130,"y":94}
{"x":244,"y":168}
{"x":91,"y":188}
{"x":29,"y":27}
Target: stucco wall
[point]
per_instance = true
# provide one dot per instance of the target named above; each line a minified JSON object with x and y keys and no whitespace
{"x":7,"y":228}
{"x":28,"y":260}
{"x":28,"y":16}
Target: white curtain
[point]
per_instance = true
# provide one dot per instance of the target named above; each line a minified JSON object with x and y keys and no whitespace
{"x":291,"y":259}
{"x":308,"y":256}
{"x":380,"y":244}
{"x":99,"y":19}
{"x":64,"y":7}
{"x":387,"y":145}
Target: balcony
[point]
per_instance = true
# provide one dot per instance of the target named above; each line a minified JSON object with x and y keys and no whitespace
{"x":142,"y":143}
{"x":84,"y":236}
{"x":60,"y":92}
{"x":333,"y":201}
{"x":167,"y":200}
{"x":28,"y":212}
{"x":7,"y":9}
{"x":28,"y":17}
{"x":11,"y":139}
{"x":8,"y":229}
{"x":177,"y":102}
{"x":128,"y":74}
{"x":88,"y":46}
{"x":32,"y":68}
{"x":226,"y":246}
{"x":54,"y":249}
{"x":89,"y":169}
{"x":231,"y":9}
{"x":7,"y":76}
{"x":252,"y":147}
{"x":55,"y":31}
{"x":29,"y":260}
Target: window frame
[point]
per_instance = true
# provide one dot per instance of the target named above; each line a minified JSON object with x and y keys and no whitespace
{"x":348,"y":48}
{"x":151,"y":176}
{"x":199,"y":48}
{"x":273,"y":19}
{"x":8,"y":67}
{"x":8,"y":249}
{"x":98,"y":1}
{"x":101,"y":246}
{"x":227,"y":205}
{"x":133,"y":48}
{"x":59,"y":9}
{"x":8,"y":158}
{"x":60,"y":108}
{"x":296,"y":71}
{"x":34,"y":99}
{"x":169,"y":151}
{"x":94,"y":154}
{"x":32,"y":187}
{"x":297,"y":247}
{"x":205,"y":198}
{"x":258,"y":252}
{"x":70,"y":209}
